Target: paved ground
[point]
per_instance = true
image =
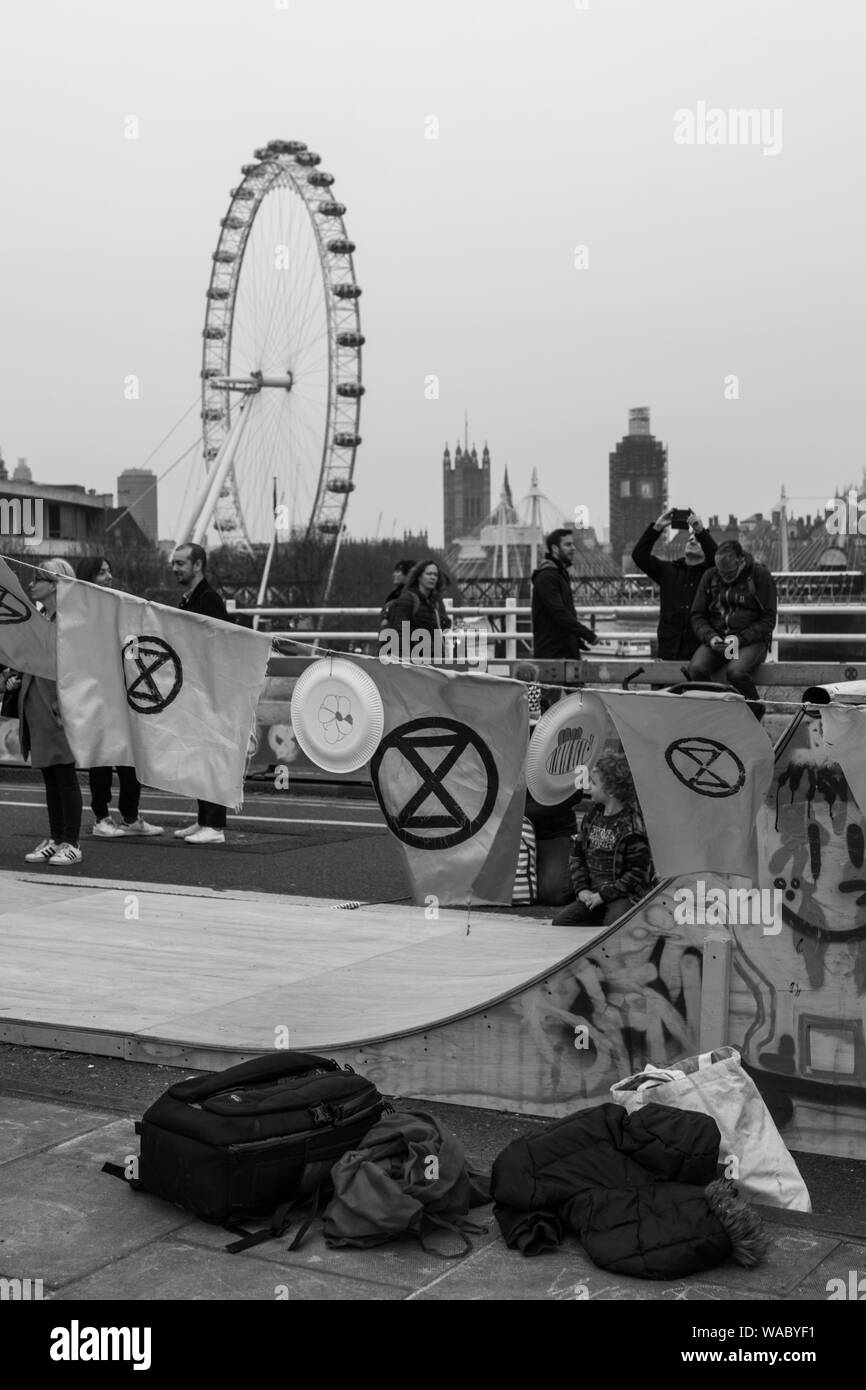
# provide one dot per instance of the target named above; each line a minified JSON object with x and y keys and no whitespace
{"x":89,"y":1238}
{"x":62,"y":1116}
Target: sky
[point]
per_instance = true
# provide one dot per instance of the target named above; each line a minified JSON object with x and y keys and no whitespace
{"x":720,"y":284}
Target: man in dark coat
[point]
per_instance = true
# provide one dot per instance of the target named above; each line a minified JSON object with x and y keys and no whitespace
{"x":733,"y":617}
{"x":639,"y":1191}
{"x":188,"y":564}
{"x":678,"y":582}
{"x":556,"y":632}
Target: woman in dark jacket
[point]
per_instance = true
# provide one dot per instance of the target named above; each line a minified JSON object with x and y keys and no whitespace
{"x":42,"y":738}
{"x":420,"y":607}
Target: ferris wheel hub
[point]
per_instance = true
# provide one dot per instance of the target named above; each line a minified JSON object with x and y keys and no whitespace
{"x":253,"y":383}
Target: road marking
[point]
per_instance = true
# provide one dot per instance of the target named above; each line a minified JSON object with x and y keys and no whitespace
{"x":276,"y":820}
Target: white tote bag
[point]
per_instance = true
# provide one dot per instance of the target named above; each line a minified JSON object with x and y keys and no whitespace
{"x":751,"y":1149}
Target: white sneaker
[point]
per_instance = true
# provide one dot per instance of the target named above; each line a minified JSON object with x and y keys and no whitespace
{"x":66,"y":854}
{"x":42,"y":853}
{"x":186,"y":830}
{"x":138,"y":827}
{"x":106,"y":829}
{"x":207,"y":835}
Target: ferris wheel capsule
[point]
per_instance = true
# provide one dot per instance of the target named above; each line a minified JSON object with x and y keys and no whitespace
{"x":347,"y":441}
{"x":340,"y":246}
{"x":307,"y":159}
{"x":286,"y":146}
{"x":225,"y":257}
{"x":319,"y":179}
{"x":351,"y":340}
{"x":343,"y":291}
{"x":350,"y":389}
{"x":332,"y":209}
{"x":233,"y":222}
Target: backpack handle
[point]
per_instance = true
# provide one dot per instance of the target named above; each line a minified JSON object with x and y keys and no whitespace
{"x":272,"y":1067}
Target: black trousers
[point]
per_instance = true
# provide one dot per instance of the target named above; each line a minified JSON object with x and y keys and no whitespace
{"x":63,"y":799}
{"x":100,"y":792}
{"x":211,"y":814}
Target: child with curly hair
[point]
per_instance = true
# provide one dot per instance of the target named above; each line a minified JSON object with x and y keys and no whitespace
{"x":610,"y":864}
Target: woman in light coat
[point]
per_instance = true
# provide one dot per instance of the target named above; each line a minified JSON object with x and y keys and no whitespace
{"x":42,"y":738}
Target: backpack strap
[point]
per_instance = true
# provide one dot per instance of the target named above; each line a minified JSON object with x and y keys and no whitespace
{"x":438,"y":1223}
{"x":114,"y":1170}
{"x":308,"y":1209}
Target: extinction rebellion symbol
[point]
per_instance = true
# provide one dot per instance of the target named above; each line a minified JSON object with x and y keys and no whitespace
{"x":413,"y":750}
{"x":12,"y":608}
{"x":706,"y":767}
{"x":152,"y":673}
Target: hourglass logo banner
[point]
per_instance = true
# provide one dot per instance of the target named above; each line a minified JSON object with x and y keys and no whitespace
{"x":28,"y":641}
{"x":170,"y":693}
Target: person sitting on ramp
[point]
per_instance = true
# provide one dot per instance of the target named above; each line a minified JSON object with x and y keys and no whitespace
{"x":610,"y":864}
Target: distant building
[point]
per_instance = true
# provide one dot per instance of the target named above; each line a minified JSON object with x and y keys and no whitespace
{"x":465,"y":490}
{"x":638,"y":477}
{"x":496,"y":560}
{"x":75,"y":521}
{"x":136,"y":489}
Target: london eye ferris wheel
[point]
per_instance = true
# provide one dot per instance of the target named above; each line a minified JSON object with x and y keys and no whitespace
{"x":281,"y":361}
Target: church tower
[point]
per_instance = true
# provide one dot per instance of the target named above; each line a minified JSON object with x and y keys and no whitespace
{"x":465,"y":489}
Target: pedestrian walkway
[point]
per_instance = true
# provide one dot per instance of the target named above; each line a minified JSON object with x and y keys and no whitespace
{"x":88,"y":1237}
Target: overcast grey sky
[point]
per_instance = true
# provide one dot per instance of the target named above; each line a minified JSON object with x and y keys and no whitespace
{"x":556,"y":130}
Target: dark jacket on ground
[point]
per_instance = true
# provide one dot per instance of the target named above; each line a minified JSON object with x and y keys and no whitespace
{"x":206,"y":601}
{"x":745,"y":609}
{"x":556,"y":632}
{"x":630,"y":1187}
{"x":678,"y":583}
{"x":630,"y":865}
{"x":419,"y":612}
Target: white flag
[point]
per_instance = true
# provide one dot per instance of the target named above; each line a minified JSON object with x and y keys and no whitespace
{"x":171,"y":693}
{"x":28,"y":641}
{"x":701,"y":770}
{"x":844,"y":728}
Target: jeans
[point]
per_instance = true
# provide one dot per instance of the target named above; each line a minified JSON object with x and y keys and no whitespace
{"x":706,"y":663}
{"x":554,"y":883}
{"x":63,"y":799}
{"x":211,"y":814}
{"x":128,"y":796}
{"x":577,"y":914}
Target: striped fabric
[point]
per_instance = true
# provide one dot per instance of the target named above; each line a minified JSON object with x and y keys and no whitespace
{"x":526,"y":878}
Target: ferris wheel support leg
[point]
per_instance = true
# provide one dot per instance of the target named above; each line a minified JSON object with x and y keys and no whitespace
{"x":220,"y":473}
{"x":185,"y":529}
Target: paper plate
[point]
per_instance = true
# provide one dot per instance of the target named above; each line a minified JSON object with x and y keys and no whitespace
{"x":337,"y":715}
{"x":573,"y":733}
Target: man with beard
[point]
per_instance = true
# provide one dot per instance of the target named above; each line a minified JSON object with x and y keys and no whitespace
{"x":733,"y":617}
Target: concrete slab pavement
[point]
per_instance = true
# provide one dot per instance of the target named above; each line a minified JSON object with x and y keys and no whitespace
{"x":89,"y":1238}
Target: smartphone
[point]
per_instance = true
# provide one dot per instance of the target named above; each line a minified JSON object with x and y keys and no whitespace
{"x":680,"y":518}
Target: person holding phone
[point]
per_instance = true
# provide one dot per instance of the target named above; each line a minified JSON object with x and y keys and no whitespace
{"x":678,"y":580}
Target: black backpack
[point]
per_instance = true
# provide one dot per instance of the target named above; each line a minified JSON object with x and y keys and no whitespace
{"x":249,"y":1142}
{"x":386,"y":613}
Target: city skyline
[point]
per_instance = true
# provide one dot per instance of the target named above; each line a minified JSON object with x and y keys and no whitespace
{"x":537,"y":239}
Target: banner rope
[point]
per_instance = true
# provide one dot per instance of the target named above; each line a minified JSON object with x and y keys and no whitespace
{"x":316,"y":649}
